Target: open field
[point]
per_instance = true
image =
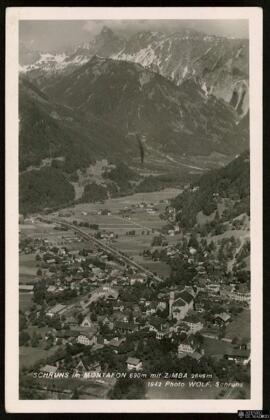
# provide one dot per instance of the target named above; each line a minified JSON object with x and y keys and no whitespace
{"x":159,"y":267}
{"x":28,"y":264}
{"x":28,"y":279}
{"x":38,"y":229}
{"x":240,"y":326}
{"x":27,"y":269}
{"x":114,"y":204}
{"x":47,"y":232}
{"x":139,"y":221}
{"x":216,"y":347}
{"x":30,"y":355}
{"x":25,"y":301}
{"x":157,"y":162}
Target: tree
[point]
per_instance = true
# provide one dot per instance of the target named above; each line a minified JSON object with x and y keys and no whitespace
{"x":39,"y":272}
{"x":49,"y":343}
{"x":24,"y":337}
{"x":39,"y":292}
{"x":235,"y":340}
{"x":193,"y":241}
{"x":200,"y":339}
{"x":93,"y":316}
{"x":75,"y":395}
{"x":35,"y":339}
{"x":22,"y":322}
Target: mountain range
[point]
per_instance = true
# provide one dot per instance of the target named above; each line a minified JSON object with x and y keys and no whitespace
{"x":218,"y":64}
{"x":116,"y":98}
{"x":177,"y":119}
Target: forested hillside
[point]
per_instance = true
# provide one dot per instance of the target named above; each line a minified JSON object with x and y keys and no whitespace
{"x":231,"y":182}
{"x":44,"y":188}
{"x":48,"y":129}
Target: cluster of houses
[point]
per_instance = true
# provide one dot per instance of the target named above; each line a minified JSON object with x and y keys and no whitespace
{"x":182,"y":319}
{"x":173,"y":313}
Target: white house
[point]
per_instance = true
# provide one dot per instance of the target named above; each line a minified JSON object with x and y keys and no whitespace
{"x":179,"y":307}
{"x":185,"y":348}
{"x":240,"y":296}
{"x":193,"y":326}
{"x":87,"y":339}
{"x":239,"y":357}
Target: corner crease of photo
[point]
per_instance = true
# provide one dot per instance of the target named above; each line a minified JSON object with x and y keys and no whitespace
{"x":133,"y":210}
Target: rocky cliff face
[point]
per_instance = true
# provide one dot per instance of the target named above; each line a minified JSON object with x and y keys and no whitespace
{"x":219,"y":65}
{"x":40,"y":66}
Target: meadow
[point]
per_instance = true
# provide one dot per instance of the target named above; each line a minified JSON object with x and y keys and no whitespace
{"x":145,"y":225}
{"x":240,"y":326}
{"x":25,"y":301}
{"x":27,"y":269}
{"x":31,"y":355}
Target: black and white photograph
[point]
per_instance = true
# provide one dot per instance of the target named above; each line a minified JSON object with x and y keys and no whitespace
{"x":135,"y":218}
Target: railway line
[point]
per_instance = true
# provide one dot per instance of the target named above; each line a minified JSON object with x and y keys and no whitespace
{"x":108,"y":248}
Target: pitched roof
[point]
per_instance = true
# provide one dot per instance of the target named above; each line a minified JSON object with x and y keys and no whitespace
{"x":179,"y":302}
{"x":116,"y":343}
{"x":133,"y":361}
{"x":186,"y":296}
{"x":67,"y":333}
{"x":193,"y":318}
{"x":57,"y":308}
{"x":237,"y":353}
{"x":189,"y":340}
{"x":49,"y":369}
{"x":225,"y":317}
{"x":87,"y":318}
{"x":97,"y":346}
{"x":156,"y":321}
{"x":196,"y":355}
{"x":89,"y":333}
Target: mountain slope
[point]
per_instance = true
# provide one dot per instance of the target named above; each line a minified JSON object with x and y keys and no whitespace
{"x":231,"y":182}
{"x":219,"y":64}
{"x":49,"y":130}
{"x":177,"y":119}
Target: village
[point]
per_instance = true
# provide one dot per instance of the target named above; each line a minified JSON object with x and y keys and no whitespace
{"x":95,"y":308}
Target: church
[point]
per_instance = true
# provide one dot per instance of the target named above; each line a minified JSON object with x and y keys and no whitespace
{"x":180,"y":304}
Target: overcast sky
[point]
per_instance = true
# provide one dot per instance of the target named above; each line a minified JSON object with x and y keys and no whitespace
{"x":57,"y":34}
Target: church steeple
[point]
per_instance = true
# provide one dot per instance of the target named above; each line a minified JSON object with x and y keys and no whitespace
{"x":171,"y":303}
